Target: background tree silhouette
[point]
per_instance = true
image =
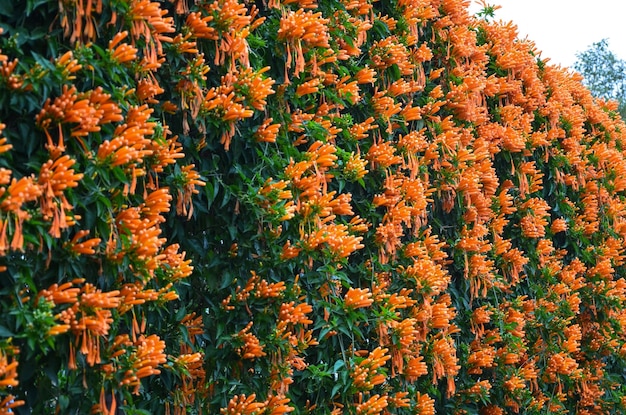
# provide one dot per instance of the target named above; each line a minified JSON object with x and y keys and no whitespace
{"x":604,"y":73}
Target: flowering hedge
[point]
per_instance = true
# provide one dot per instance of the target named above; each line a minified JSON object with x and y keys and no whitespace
{"x":307,"y":206}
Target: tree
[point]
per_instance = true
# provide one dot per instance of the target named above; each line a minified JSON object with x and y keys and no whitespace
{"x":604,"y":73}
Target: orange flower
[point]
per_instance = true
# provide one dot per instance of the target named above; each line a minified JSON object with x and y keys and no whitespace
{"x":407,"y":333}
{"x":89,"y":317}
{"x":267,"y":132}
{"x":492,"y":410}
{"x":149,"y":22}
{"x":102,"y":407}
{"x":146,"y":355}
{"x":480,"y":317}
{"x":348,"y":90}
{"x":190,"y":179}
{"x":358,"y":298}
{"x":289,"y":251}
{"x":481,"y":358}
{"x":4,"y":147}
{"x":10,"y":402}
{"x":301,"y":27}
{"x":359,"y":131}
{"x":354,"y":168}
{"x":534,"y":222}
{"x":8,"y":368}
{"x":242,"y":405}
{"x":366,"y":75}
{"x":382,"y":154}
{"x":385,"y":107}
{"x":365,"y":374}
{"x":15,"y":196}
{"x":573,"y":336}
{"x":308,"y":87}
{"x":442,"y":313}
{"x":480,"y":389}
{"x":414,"y":368}
{"x":445,"y":363}
{"x":147,"y":89}
{"x":122,"y":52}
{"x":291,"y":314}
{"x":277,"y":405}
{"x":19,"y":192}
{"x":68,"y":65}
{"x":175,"y":263}
{"x":81,"y":30}
{"x":374,"y":405}
{"x":199,"y":26}
{"x":251,"y":348}
{"x":425,"y":404}
{"x":130,"y":143}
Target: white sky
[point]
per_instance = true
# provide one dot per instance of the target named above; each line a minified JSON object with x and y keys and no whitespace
{"x":561,"y":28}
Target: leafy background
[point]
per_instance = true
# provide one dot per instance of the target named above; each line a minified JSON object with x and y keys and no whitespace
{"x":298,"y":206}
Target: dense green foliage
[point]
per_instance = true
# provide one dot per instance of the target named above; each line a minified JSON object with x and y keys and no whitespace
{"x":315,"y":207}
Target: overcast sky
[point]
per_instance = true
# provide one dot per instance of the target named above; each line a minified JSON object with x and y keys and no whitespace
{"x":561,"y":28}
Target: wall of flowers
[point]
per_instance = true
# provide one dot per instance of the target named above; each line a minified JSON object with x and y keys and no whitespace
{"x":303,"y":206}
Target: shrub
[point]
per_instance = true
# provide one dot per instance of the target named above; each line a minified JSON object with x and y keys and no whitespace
{"x":302,"y":206}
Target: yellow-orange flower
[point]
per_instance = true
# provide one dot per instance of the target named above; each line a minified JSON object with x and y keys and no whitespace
{"x":358,"y":298}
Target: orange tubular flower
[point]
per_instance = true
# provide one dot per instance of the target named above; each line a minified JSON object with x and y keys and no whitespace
{"x":348,"y":90}
{"x":374,"y":405}
{"x":533,"y":224}
{"x":190,"y":179}
{"x":62,"y":294}
{"x":425,"y":404}
{"x":308,"y":87}
{"x":68,"y":64}
{"x":8,"y":369}
{"x":4,"y":147}
{"x":57,"y":175}
{"x":385,"y":107}
{"x":124,"y":52}
{"x":256,"y":87}
{"x":382,"y":154}
{"x":270,"y":290}
{"x":365,"y":374}
{"x":301,"y":27}
{"x":149,"y":22}
{"x":482,"y":358}
{"x":147,"y":89}
{"x":54,"y":177}
{"x":414,"y":368}
{"x":354,"y":168}
{"x":366,"y":75}
{"x":278,"y":405}
{"x":199,"y":28}
{"x":358,"y":298}
{"x":19,"y":192}
{"x":445,"y":363}
{"x":149,"y":354}
{"x":251,"y":348}
{"x":291,"y":314}
{"x":89,"y":317}
{"x":267,"y":132}
{"x":242,"y":405}
{"x":15,"y":196}
{"x":9,"y":402}
{"x":289,"y":251}
{"x":176,"y":265}
{"x":83,"y":248}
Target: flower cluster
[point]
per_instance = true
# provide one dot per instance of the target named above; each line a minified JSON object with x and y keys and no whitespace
{"x":344,"y":206}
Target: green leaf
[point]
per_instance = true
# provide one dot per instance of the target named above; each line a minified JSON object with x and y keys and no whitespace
{"x":5,"y":332}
